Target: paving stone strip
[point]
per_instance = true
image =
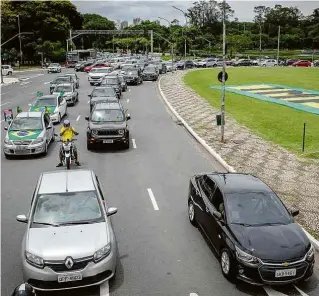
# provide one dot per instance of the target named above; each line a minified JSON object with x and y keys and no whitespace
{"x":294,"y":180}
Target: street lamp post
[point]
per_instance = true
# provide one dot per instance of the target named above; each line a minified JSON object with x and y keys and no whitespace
{"x":172,"y":46}
{"x":184,"y":13}
{"x":18,"y":16}
{"x":223,"y":77}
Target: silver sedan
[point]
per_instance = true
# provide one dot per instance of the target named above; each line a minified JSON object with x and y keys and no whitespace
{"x":69,"y":241}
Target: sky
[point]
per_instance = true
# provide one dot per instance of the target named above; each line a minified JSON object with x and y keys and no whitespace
{"x":127,"y":10}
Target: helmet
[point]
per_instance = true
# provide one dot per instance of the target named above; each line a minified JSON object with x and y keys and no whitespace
{"x":66,"y":123}
{"x":24,"y":290}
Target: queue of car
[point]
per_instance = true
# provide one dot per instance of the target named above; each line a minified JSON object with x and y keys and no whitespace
{"x":69,"y":240}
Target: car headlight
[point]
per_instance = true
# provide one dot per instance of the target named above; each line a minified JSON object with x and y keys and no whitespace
{"x":310,"y":254}
{"x":38,"y":140}
{"x":7,"y":141}
{"x":246,"y":258}
{"x":121,"y":132}
{"x":34,"y":260}
{"x":102,"y":253}
{"x":94,"y":132}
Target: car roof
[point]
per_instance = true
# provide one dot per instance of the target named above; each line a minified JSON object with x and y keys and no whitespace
{"x":69,"y":74}
{"x":237,"y":182}
{"x":65,"y":84}
{"x":108,"y":105}
{"x":110,"y":76}
{"x":29,"y":114}
{"x":66,"y":181}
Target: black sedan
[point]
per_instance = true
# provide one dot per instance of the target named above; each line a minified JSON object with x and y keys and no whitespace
{"x":133,"y":76}
{"x":150,"y":73}
{"x":250,"y":228}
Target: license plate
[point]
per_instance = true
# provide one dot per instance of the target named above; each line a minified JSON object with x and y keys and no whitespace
{"x":285,"y":272}
{"x":69,"y":277}
{"x":108,"y":141}
{"x":20,"y":148}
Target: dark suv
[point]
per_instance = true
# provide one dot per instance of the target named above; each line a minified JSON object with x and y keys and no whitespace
{"x":102,"y":93}
{"x":113,"y":81}
{"x":133,"y":76}
{"x":107,"y":124}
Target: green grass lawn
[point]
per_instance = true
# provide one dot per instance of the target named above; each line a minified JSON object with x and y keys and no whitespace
{"x":274,"y":122}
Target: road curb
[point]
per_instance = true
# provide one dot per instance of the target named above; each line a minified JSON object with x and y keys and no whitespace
{"x":229,"y":168}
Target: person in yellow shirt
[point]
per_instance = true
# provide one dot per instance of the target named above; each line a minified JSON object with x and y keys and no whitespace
{"x":67,"y":133}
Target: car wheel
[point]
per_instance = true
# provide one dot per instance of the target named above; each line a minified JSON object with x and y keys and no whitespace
{"x":191,"y":213}
{"x":66,"y":111}
{"x":73,"y":101}
{"x":9,"y":73}
{"x":226,"y":264}
{"x":89,"y":146}
{"x":53,"y":138}
{"x":91,"y":83}
{"x":46,"y":149}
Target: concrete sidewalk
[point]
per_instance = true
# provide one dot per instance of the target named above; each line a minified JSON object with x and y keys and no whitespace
{"x":295,"y":181}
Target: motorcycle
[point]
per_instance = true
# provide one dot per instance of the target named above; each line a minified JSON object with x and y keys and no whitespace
{"x":68,"y":153}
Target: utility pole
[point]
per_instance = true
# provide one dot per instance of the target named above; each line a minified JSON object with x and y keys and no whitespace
{"x":152,"y":43}
{"x":18,"y":16}
{"x":185,"y":42}
{"x":113,"y":43}
{"x":278,"y":46}
{"x":172,"y":45}
{"x":260,"y":42}
{"x":224,"y":71}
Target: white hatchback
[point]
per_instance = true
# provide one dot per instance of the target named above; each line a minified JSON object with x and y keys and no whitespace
{"x":7,"y":70}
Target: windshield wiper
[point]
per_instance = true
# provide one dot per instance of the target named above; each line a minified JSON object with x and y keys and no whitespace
{"x":270,"y":224}
{"x":80,"y":222}
{"x":243,"y":224}
{"x":49,"y":224}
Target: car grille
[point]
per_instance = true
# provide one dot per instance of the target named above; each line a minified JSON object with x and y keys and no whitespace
{"x":26,"y":142}
{"x":59,"y":266}
{"x":50,"y":285}
{"x":94,"y":77}
{"x":267,"y":272}
{"x":108,"y":133}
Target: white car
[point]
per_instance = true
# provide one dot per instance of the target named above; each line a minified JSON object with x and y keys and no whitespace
{"x":268,"y":63}
{"x":7,"y":70}
{"x":207,"y":63}
{"x":54,"y":68}
{"x":96,"y":75}
{"x":55,"y":105}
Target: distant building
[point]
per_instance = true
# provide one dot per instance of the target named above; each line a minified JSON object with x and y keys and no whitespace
{"x":118,"y":24}
{"x":157,"y":22}
{"x":136,"y":21}
{"x":124,"y":25}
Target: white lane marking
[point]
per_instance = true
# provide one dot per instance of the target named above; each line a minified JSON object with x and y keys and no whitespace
{"x":272,"y":292}
{"x":4,"y":104}
{"x":301,"y":292}
{"x":47,"y":82}
{"x":24,"y":83}
{"x":153,"y":200}
{"x":193,"y":294}
{"x":134,"y":143}
{"x":129,"y":89}
{"x":88,"y":101}
{"x":104,"y":289}
{"x":2,"y":121}
{"x":128,"y":100}
{"x":4,"y":93}
{"x":77,"y":119}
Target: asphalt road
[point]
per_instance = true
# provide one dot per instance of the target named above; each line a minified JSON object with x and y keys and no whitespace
{"x":160,"y":253}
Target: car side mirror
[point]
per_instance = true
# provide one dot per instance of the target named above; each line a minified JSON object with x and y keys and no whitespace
{"x":22,"y":218}
{"x":111,"y":211}
{"x":89,"y":96}
{"x":29,"y":104}
{"x":5,"y":128}
{"x":87,"y":118}
{"x":217,"y":215}
{"x":128,"y":117}
{"x":294,"y":212}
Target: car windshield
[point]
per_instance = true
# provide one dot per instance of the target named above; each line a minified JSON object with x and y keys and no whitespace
{"x":149,"y":70}
{"x":26,"y":123}
{"x":54,"y":65}
{"x":103,"y":92}
{"x":67,"y":208}
{"x":71,"y":75}
{"x":65,"y":88}
{"x":113,"y":115}
{"x":45,"y":102}
{"x":132,"y":72}
{"x":110,"y":81}
{"x":61,"y":80}
{"x":97,"y":70}
{"x":256,"y":208}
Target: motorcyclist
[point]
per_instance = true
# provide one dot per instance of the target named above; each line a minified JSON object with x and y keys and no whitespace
{"x":23,"y":290}
{"x":67,"y":133}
